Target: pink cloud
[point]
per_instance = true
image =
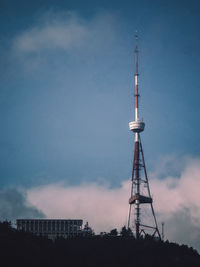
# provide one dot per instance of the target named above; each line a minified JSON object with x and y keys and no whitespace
{"x":105,"y":207}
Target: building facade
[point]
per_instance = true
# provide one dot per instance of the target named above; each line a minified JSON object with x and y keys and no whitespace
{"x":51,"y":228}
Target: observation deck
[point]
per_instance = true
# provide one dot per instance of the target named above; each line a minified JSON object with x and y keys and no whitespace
{"x":136,"y":126}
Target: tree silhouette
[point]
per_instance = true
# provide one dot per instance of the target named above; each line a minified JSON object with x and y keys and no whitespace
{"x":19,"y":248}
{"x":113,"y":232}
{"x":126,"y":232}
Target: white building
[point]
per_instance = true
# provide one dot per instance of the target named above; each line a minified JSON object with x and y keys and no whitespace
{"x":51,"y":228}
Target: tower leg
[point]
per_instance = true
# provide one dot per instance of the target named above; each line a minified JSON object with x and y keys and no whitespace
{"x":149,"y":193}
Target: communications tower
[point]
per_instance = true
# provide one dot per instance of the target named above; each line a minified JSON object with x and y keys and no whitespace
{"x":141,"y":212}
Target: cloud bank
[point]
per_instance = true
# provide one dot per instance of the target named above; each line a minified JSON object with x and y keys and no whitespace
{"x":176,"y":201}
{"x":102,"y":206}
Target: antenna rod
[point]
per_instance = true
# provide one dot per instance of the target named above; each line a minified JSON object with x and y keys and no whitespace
{"x":136,"y":80}
{"x":137,"y":147}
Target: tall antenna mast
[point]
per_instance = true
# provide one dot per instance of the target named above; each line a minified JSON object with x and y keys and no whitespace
{"x":136,"y":79}
{"x":140,"y":191}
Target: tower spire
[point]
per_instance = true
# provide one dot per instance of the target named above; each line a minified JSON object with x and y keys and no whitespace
{"x":140,"y":191}
{"x":136,"y":80}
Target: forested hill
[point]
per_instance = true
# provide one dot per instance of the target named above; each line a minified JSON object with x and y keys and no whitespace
{"x":22,"y":249}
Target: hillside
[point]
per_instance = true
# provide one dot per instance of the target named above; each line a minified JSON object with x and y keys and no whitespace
{"x":22,"y":249}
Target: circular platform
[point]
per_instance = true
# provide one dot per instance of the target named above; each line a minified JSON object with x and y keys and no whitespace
{"x":136,"y":126}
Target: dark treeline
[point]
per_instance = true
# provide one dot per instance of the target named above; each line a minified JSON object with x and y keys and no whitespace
{"x":24,"y":249}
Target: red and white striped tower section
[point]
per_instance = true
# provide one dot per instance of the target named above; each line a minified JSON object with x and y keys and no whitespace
{"x":137,"y":198}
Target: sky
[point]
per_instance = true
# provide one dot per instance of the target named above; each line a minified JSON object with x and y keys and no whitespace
{"x":67,"y":96}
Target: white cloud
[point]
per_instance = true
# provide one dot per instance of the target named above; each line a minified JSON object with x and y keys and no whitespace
{"x":102,"y":206}
{"x":52,"y":34}
{"x":55,"y":38}
{"x":106,"y":208}
{"x":173,"y":194}
{"x":66,"y":30}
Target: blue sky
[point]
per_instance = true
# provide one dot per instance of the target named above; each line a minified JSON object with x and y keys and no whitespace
{"x":66,"y":94}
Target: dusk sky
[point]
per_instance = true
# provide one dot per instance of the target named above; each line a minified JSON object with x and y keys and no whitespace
{"x":67,"y":96}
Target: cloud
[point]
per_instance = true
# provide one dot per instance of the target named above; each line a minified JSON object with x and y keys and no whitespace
{"x":176,"y":202}
{"x":58,"y":41}
{"x":180,"y":227}
{"x":102,"y":206}
{"x":65,"y":31}
{"x":52,"y":33}
{"x":13,"y":205}
{"x":178,"y":193}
